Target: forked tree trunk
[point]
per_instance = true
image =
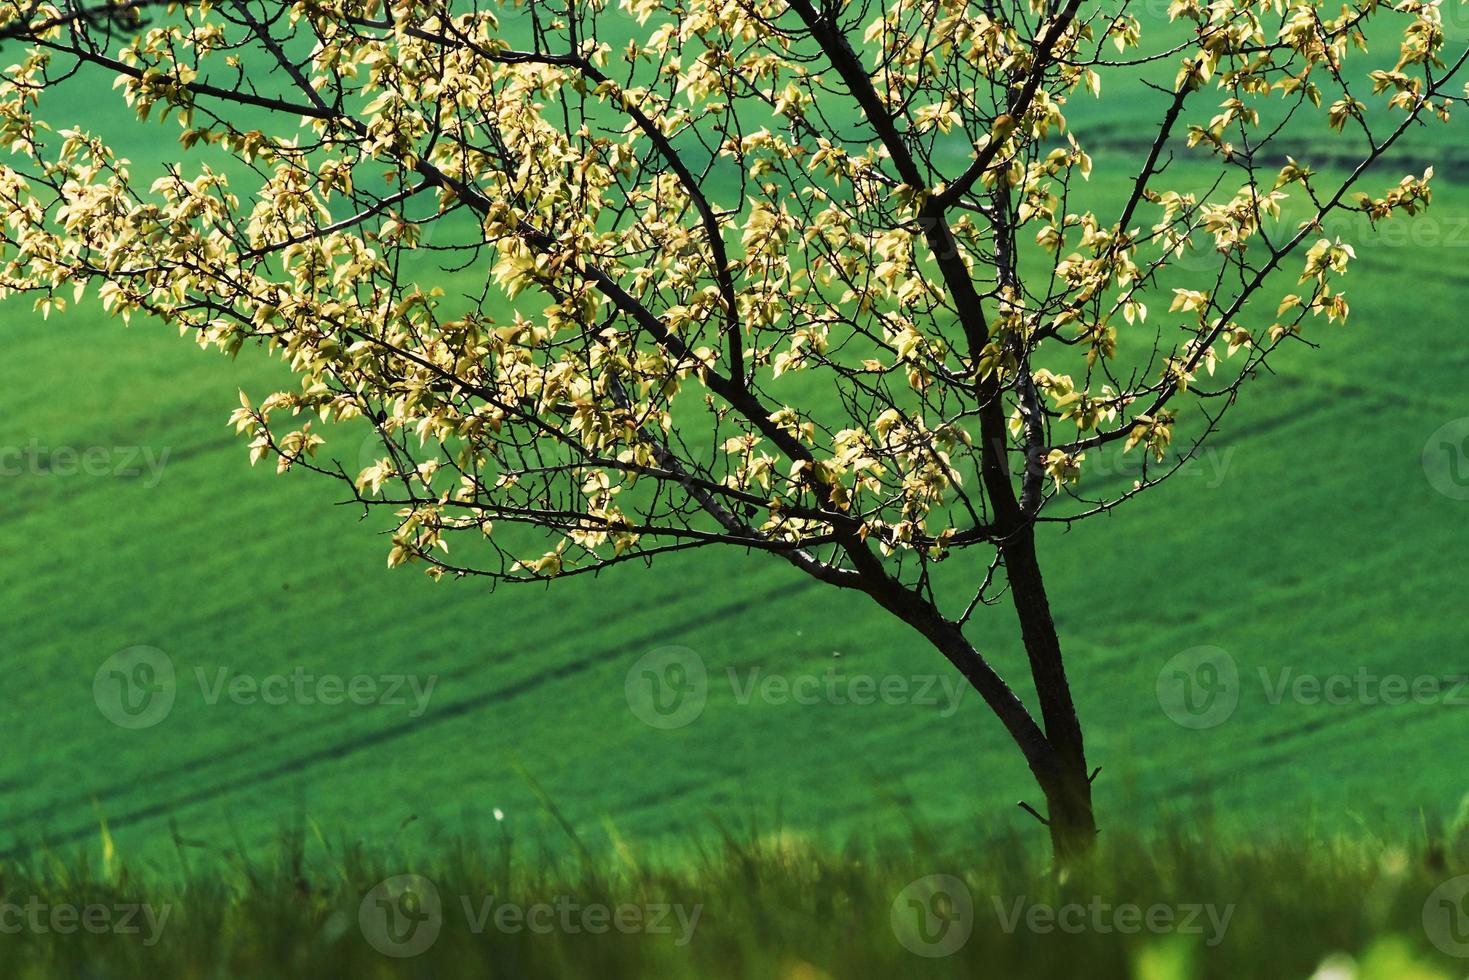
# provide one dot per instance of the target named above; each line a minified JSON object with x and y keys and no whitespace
{"x":1056,"y":755}
{"x":1068,"y":788}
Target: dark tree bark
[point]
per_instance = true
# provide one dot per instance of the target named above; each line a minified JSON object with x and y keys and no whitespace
{"x":1055,"y":754}
{"x":1068,"y":790}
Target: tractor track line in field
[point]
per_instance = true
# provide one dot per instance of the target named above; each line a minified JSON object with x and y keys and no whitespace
{"x":353,"y":746}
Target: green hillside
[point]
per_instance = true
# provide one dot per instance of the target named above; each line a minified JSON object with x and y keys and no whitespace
{"x":1309,"y":539}
{"x":1317,"y":489}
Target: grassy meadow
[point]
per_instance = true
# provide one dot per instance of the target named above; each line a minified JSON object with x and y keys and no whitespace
{"x":1316,"y":489}
{"x":1310,"y":546}
{"x":1164,"y":907}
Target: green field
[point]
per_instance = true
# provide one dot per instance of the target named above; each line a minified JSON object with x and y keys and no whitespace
{"x":1309,"y":542}
{"x":1316,"y":490}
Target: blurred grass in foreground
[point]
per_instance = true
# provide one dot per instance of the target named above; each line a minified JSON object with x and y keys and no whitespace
{"x":1195,"y":903}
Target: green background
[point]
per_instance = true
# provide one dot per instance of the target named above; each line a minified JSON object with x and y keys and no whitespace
{"x":1318,"y":545}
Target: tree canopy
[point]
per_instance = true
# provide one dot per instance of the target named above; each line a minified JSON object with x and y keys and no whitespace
{"x":804,"y":280}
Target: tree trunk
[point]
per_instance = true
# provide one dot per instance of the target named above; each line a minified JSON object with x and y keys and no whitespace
{"x":1068,"y":788}
{"x":1055,"y":756}
{"x":1070,"y":819}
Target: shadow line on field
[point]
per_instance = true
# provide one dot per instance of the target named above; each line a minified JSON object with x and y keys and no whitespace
{"x":352,"y":746}
{"x":1285,"y":747}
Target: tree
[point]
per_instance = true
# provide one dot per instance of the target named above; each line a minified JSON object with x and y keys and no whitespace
{"x":820,"y":281}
